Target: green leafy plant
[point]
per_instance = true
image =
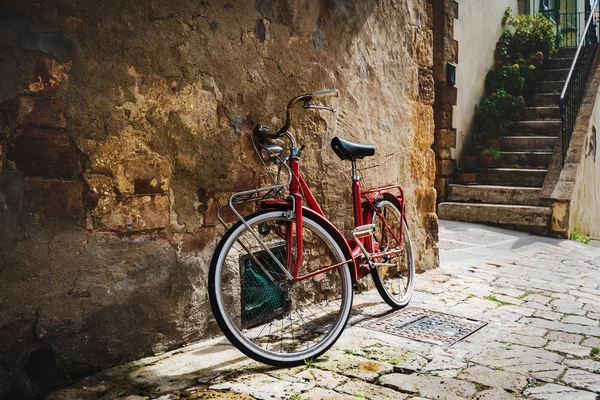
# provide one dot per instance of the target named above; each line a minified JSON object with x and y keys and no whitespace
{"x":528,"y":35}
{"x":309,"y":362}
{"x":491,"y":115}
{"x":577,"y":236}
{"x":351,"y":352}
{"x":493,"y":298}
{"x":493,"y":152}
{"x":527,"y":293}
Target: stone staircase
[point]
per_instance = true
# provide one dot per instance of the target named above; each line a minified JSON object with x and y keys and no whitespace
{"x":509,"y":193}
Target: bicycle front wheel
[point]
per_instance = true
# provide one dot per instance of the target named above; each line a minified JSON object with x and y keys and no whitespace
{"x":394,"y":280}
{"x":266,"y":316}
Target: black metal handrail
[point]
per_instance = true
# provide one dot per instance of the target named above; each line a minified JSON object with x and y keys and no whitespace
{"x":574,"y":88}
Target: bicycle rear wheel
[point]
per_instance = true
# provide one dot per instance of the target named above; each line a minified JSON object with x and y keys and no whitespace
{"x":394,"y":282}
{"x":264,"y":315}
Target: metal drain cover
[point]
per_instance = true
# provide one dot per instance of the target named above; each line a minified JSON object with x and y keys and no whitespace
{"x":425,"y":326}
{"x":464,"y":239}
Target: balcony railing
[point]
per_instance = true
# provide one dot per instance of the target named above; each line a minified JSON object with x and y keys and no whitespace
{"x":570,"y":26}
{"x":574,"y":88}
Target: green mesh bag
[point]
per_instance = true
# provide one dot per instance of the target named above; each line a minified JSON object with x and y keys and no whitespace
{"x":262,"y":299}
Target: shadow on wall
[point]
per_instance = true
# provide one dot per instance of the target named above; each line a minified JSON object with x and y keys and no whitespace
{"x":122,"y":126}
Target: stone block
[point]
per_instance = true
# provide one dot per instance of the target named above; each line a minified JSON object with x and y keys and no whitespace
{"x":440,"y":187}
{"x":443,"y":119}
{"x":52,"y":199}
{"x":445,"y":94}
{"x":421,"y":46}
{"x":431,"y":226}
{"x":450,"y":50}
{"x":44,"y":112}
{"x":444,"y":138}
{"x":134,"y":214}
{"x":445,"y":23}
{"x":426,"y":86}
{"x":444,"y":154}
{"x":426,"y":199}
{"x":444,"y":167}
{"x":46,"y":153}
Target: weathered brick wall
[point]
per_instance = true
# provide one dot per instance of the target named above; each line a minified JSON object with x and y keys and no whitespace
{"x":123,"y":126}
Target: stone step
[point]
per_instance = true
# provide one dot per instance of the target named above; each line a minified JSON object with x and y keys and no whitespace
{"x":494,"y":194}
{"x":550,"y":86}
{"x":528,"y":143}
{"x":566,"y":52}
{"x":545,"y":99}
{"x":512,"y":177}
{"x":537,"y":128}
{"x":558,"y":63}
{"x":541,"y":113}
{"x":495,"y":213}
{"x":559,"y":74}
{"x":526,"y":159}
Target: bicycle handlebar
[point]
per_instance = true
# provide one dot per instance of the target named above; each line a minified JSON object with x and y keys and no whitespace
{"x":263,"y":132}
{"x":306,"y":98}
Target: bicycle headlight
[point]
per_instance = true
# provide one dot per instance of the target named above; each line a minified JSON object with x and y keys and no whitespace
{"x":271,"y":152}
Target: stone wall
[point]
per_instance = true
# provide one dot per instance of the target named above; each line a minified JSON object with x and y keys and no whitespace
{"x":574,"y":188}
{"x":445,"y":53}
{"x":123,"y":125}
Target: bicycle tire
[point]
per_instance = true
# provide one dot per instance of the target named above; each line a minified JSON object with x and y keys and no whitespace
{"x":381,"y":276}
{"x":230,"y":324}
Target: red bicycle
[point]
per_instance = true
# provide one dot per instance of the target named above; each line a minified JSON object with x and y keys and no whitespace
{"x":281,"y":279}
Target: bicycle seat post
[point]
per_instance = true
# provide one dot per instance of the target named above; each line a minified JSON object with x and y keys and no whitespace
{"x":355,"y":176}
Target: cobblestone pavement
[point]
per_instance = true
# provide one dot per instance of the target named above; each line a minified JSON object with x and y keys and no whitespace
{"x":539,"y":296}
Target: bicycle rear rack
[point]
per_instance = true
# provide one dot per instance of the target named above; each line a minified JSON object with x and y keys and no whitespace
{"x":255,"y":195}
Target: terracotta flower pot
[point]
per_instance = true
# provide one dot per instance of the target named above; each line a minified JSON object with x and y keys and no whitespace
{"x":487,"y":161}
{"x":469,"y":178}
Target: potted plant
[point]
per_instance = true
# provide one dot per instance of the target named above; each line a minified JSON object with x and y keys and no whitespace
{"x":468,"y":172}
{"x":517,"y":104}
{"x":490,"y":156}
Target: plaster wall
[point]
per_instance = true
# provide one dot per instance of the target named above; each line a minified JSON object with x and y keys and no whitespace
{"x":477,"y":30}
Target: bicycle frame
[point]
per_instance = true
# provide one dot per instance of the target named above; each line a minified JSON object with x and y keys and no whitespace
{"x":300,"y":193}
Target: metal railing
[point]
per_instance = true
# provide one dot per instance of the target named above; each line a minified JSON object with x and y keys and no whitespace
{"x":569,"y":26}
{"x":574,"y":88}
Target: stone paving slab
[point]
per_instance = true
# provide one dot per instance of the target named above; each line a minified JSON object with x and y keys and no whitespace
{"x":494,"y":378}
{"x":558,"y":392}
{"x":539,"y":296}
{"x":430,"y":386}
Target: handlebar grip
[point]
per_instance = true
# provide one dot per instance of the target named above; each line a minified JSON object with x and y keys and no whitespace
{"x":325,"y":93}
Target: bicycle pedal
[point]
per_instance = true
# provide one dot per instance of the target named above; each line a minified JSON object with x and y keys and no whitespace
{"x":363,"y":231}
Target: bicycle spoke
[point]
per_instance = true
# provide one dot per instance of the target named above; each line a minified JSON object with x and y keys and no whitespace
{"x":274,"y":316}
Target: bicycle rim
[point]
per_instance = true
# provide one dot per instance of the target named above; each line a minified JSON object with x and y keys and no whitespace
{"x":264,"y":316}
{"x":394,"y":282}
